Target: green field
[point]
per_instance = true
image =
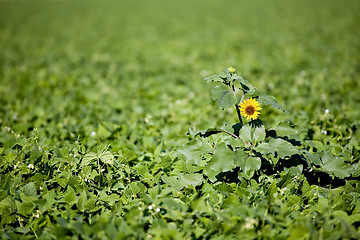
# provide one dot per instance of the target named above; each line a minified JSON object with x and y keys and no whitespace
{"x":104,"y":111}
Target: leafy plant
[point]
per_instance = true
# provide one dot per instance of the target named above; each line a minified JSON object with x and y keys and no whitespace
{"x":251,"y":149}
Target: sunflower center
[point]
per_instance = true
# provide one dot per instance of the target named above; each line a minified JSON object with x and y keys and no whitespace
{"x":249,"y":110}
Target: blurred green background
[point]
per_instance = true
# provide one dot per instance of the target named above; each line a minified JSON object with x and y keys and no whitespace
{"x":68,"y":66}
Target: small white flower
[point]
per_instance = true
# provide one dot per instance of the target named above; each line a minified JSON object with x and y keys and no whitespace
{"x":102,"y":170}
{"x":157,"y":209}
{"x":282,"y":191}
{"x":150,"y":207}
{"x":249,"y":223}
{"x":324,"y":132}
{"x":327,"y":111}
{"x":37,"y":215}
{"x":93,"y":133}
{"x":30,"y":166}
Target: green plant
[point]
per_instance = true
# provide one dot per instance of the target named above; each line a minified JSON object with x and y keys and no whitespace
{"x":251,"y":149}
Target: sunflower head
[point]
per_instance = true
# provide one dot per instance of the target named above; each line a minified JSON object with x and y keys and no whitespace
{"x":231,"y":70}
{"x":250,"y":109}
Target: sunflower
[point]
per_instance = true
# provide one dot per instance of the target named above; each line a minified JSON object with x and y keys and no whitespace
{"x":250,"y":109}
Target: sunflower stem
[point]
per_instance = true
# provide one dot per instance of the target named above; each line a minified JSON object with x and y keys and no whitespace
{"x":238,"y":110}
{"x":232,"y":87}
{"x":239,"y":115}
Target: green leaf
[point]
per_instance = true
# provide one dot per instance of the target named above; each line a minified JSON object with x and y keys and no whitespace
{"x":245,"y":134}
{"x":246,"y":86}
{"x":25,"y":208}
{"x":193,"y":179}
{"x":270,"y":100}
{"x":314,"y":158}
{"x":282,"y":147}
{"x":283,"y":129}
{"x":70,"y":196}
{"x":270,"y":190}
{"x":252,"y":163}
{"x":105,"y":155}
{"x":192,"y":151}
{"x":221,"y":161}
{"x":214,"y":78}
{"x":223,"y":96}
{"x":89,"y":158}
{"x":336,"y":166}
{"x":240,"y":156}
{"x":181,"y":181}
{"x":259,"y":134}
{"x":264,"y":148}
{"x":296,"y":170}
{"x":102,"y":153}
{"x":30,"y":189}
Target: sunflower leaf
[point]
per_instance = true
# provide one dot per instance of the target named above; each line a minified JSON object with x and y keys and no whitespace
{"x":213,"y":78}
{"x":223,"y":96}
{"x":246,"y":86}
{"x":270,"y":100}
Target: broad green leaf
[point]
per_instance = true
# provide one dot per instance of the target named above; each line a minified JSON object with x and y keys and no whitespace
{"x":181,"y":181}
{"x":252,"y":163}
{"x":70,"y":196}
{"x":313,"y":158}
{"x":30,"y":189}
{"x":296,"y":170}
{"x":245,"y":134}
{"x":259,"y":134}
{"x":282,"y":147}
{"x":246,"y":86}
{"x":193,"y":179}
{"x":282,"y":131}
{"x":264,"y":148}
{"x":89,"y":158}
{"x":214,"y":78}
{"x":240,"y":157}
{"x":270,"y":100}
{"x":211,"y":174}
{"x":25,"y":208}
{"x":222,"y":160}
{"x":336,"y":166}
{"x":107,"y":157}
{"x":223,"y":96}
{"x":192,"y":151}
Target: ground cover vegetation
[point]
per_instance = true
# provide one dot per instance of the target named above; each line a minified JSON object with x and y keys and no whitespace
{"x":109,"y":131}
